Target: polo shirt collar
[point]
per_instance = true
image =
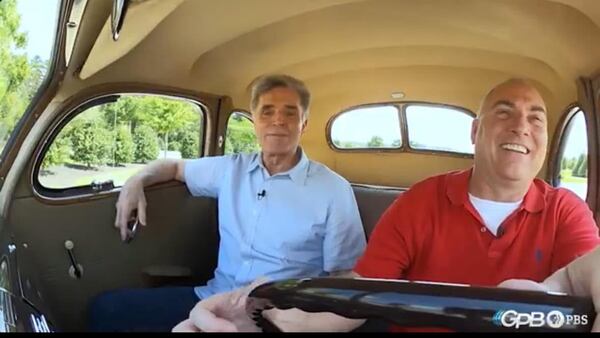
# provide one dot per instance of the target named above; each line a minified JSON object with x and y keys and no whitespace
{"x":256,"y":162}
{"x":457,"y":190}
{"x":534,"y":200}
{"x":297,"y":174}
{"x":457,"y":186}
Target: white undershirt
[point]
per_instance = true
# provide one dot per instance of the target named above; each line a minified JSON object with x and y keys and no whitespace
{"x":493,"y":213}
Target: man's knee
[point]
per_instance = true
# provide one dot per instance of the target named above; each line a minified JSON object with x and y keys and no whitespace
{"x":105,"y":308}
{"x":141,"y":309}
{"x":108,"y":300}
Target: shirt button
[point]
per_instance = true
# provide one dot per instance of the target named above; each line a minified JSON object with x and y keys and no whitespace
{"x":483,"y":229}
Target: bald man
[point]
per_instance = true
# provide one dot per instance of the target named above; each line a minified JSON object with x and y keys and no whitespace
{"x":492,"y":222}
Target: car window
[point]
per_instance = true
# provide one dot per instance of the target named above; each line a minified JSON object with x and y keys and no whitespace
{"x":113,"y":141}
{"x":374,"y":127}
{"x":430,"y":127}
{"x":27,"y":31}
{"x":240,"y":136}
{"x":574,"y":156}
{"x":439,"y":129}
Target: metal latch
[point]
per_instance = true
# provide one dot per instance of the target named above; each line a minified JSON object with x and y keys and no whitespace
{"x":75,"y":270}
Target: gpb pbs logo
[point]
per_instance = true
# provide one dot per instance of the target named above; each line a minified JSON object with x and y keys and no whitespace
{"x":553,"y":319}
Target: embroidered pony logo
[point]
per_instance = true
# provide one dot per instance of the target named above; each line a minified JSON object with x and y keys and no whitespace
{"x":539,"y":255}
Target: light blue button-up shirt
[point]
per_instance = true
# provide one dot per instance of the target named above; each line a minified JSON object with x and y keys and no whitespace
{"x":305,"y":224}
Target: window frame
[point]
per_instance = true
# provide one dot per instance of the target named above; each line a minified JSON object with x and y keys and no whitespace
{"x":77,"y":193}
{"x":563,"y":129}
{"x":241,"y":112}
{"x":405,"y":146}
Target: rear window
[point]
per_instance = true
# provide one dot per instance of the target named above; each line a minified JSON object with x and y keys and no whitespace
{"x":367,"y":128}
{"x":408,"y":127}
{"x":437,"y":128}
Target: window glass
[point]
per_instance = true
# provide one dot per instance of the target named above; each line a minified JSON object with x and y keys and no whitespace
{"x":240,"y":136}
{"x":373,"y":127}
{"x":573,"y":160}
{"x":439,"y":129}
{"x":27,"y":31}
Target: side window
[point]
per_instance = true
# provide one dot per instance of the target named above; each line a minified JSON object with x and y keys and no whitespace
{"x":439,"y":129}
{"x":376,"y":127}
{"x":27,"y":30}
{"x":113,"y":141}
{"x":240,"y":136}
{"x":574,"y":155}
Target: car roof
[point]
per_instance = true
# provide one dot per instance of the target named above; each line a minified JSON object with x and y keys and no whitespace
{"x":414,"y":46}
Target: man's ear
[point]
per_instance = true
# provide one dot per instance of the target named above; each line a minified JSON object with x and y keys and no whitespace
{"x":304,"y":124}
{"x":474,"y":128}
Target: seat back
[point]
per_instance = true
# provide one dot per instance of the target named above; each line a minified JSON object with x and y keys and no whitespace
{"x":372,"y":202}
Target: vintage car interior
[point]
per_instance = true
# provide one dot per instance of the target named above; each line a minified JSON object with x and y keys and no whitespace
{"x":381,"y":60}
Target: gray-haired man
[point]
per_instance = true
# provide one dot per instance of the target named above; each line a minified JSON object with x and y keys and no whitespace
{"x":281,"y":215}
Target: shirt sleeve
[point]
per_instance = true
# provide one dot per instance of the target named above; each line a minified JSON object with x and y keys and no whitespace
{"x":344,"y":237}
{"x":577,"y":233}
{"x":204,"y":176}
{"x":391,"y":244}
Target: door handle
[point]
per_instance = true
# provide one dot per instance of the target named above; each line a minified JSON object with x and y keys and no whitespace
{"x":75,"y":270}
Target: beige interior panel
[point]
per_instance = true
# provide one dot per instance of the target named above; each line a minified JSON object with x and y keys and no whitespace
{"x":589,"y":7}
{"x":549,"y":41}
{"x":525,"y":28}
{"x":429,"y":84}
{"x":142,"y":18}
{"x":398,"y":170}
{"x":192,"y":29}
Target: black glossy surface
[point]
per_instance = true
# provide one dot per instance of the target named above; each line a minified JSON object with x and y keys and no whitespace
{"x":414,"y":304}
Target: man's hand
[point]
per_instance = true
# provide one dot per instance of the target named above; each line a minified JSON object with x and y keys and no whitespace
{"x":523,"y":284}
{"x":224,"y":312}
{"x":130,"y":199}
{"x":579,"y":278}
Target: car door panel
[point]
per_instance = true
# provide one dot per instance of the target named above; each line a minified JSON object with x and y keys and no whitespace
{"x":181,"y":231}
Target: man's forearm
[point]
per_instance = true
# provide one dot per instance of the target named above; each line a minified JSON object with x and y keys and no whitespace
{"x":159,"y":171}
{"x":559,"y":282}
{"x":581,"y":277}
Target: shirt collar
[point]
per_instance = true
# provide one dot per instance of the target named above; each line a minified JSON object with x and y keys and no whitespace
{"x":535,"y":200}
{"x":297,"y":174}
{"x":255,"y":162}
{"x":457,"y":189}
{"x":457,"y":186}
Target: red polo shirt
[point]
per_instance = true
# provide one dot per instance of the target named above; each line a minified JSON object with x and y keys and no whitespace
{"x":432,"y":232}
